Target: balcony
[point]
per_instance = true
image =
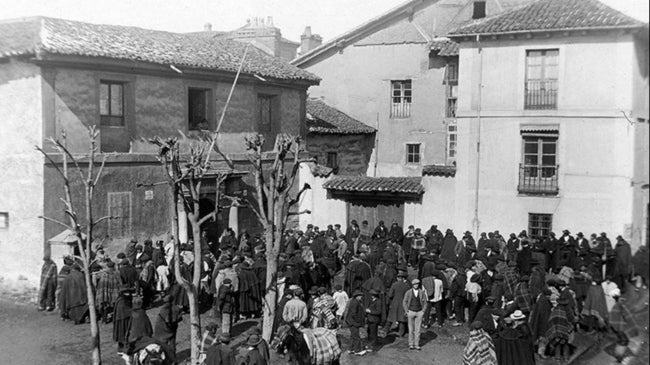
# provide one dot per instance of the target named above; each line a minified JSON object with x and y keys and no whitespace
{"x":538,"y":179}
{"x":541,"y":94}
{"x":400,"y":110}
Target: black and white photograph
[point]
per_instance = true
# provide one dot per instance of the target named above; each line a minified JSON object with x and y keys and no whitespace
{"x":324,"y":182}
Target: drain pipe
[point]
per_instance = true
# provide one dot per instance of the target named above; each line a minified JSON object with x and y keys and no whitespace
{"x":476,"y":222}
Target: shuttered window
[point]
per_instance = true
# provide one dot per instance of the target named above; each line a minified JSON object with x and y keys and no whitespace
{"x":119,"y":207}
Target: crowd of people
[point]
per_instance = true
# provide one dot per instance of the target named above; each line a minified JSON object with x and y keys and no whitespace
{"x":522,"y":297}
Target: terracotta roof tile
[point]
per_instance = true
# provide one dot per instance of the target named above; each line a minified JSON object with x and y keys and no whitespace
{"x":439,"y":170}
{"x":324,"y":119}
{"x":548,"y":15}
{"x":445,"y":47}
{"x":64,"y":37}
{"x":409,"y":185}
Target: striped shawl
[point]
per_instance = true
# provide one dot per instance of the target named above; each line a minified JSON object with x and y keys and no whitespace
{"x":479,"y":349}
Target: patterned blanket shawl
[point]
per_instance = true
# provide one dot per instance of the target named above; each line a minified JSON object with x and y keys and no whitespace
{"x":620,"y":318}
{"x":323,"y":345}
{"x":559,"y":329}
{"x":522,"y":297}
{"x":479,"y":349}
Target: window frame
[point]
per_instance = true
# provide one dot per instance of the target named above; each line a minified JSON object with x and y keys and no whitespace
{"x":416,"y":155}
{"x":272,"y":101}
{"x":450,"y":133}
{"x":107,"y":120}
{"x":5,"y":220}
{"x":112,"y":222}
{"x":336,"y":159}
{"x":548,"y":87}
{"x":537,"y":222}
{"x":209,"y":108}
{"x":402,"y":108}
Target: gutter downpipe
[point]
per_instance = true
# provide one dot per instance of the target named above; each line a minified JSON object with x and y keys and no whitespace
{"x":478,"y":142}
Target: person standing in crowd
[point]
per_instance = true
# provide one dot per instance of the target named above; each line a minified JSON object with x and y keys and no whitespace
{"x":480,"y":348}
{"x":221,"y":353}
{"x":622,"y":263}
{"x":295,"y":310}
{"x":352,"y":236}
{"x":107,"y":291}
{"x":122,"y":318}
{"x":355,"y":318}
{"x":396,"y":311}
{"x":47,"y":289}
{"x":539,"y":321}
{"x":253,"y":355}
{"x":225,"y":303}
{"x":414,"y":304}
{"x":140,"y":325}
{"x":167,"y":322}
{"x":74,"y":298}
{"x":341,"y":299}
{"x":65,"y":271}
{"x":373,"y":318}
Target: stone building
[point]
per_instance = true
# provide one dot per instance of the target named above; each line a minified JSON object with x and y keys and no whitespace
{"x":133,"y":84}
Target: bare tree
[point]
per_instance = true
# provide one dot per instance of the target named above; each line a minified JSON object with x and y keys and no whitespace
{"x":89,"y":181}
{"x":274,"y":204}
{"x":185,"y":177}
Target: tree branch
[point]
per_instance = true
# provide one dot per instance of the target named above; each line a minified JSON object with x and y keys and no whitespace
{"x":108,"y":217}
{"x":306,"y":211}
{"x":57,"y":222}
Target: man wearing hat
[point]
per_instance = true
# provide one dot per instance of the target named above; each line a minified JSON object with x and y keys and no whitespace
{"x":253,"y":355}
{"x":354,"y":318}
{"x":295,"y":310}
{"x":414,"y":304}
{"x":395,"y":297}
{"x":373,"y":317}
{"x":225,"y":304}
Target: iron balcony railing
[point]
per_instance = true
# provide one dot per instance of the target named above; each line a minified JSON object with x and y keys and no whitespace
{"x":451,"y":108}
{"x":400,"y":110}
{"x":541,"y":94}
{"x":538,"y":179}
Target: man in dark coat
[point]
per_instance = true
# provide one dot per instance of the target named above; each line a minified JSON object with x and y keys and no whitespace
{"x":356,"y":274}
{"x":355,"y":319}
{"x":480,"y":246}
{"x":250,"y":297}
{"x":434,"y":239}
{"x":130,"y":250}
{"x":122,"y":317}
{"x":512,"y":246}
{"x":396,"y":310}
{"x":448,"y":251}
{"x":351,"y":236}
{"x":623,"y":263}
{"x":47,"y":290}
{"x":374,"y":314}
{"x":539,"y":317}
{"x":158,"y":255}
{"x":220,"y":353}
{"x":140,"y":325}
{"x":167,"y":323}
{"x":566,"y":252}
{"x":380,"y":231}
{"x":74,"y":298}
{"x":319,"y":246}
{"x":396,"y":233}
{"x":128,"y":274}
{"x":524,"y":258}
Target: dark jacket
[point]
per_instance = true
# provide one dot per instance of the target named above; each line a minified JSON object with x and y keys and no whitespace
{"x":374,"y":311}
{"x":226,"y":299}
{"x":355,"y":315}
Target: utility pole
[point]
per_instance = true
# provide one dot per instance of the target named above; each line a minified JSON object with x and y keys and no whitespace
{"x":475,"y":221}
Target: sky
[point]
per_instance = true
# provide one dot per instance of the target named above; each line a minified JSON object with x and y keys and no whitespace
{"x":329,"y":18}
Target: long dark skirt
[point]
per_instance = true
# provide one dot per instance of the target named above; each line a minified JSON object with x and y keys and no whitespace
{"x":121,"y":330}
{"x":78,"y":314}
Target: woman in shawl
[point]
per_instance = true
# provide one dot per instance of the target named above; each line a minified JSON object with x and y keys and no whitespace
{"x":140,"y":325}
{"x":538,"y":321}
{"x":122,"y":317}
{"x":480,"y":348}
{"x":250,"y":297}
{"x":537,"y":281}
{"x":74,"y":298}
{"x":396,"y":311}
{"x":594,"y":310}
{"x":107,"y":291}
{"x":560,"y":332}
{"x":167,"y":323}
{"x":448,"y":251}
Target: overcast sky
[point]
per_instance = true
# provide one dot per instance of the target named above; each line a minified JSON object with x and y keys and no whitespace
{"x":328,"y":18}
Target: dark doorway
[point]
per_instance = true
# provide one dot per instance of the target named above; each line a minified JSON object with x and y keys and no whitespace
{"x":375,"y":211}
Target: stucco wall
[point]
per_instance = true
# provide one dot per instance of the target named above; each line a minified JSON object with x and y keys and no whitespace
{"x":353,"y":151}
{"x":21,"y":171}
{"x":358,"y":82}
{"x":324,"y":210}
{"x":436,"y":207}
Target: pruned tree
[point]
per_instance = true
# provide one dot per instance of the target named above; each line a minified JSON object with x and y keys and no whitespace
{"x":76,"y":222}
{"x":185,"y":175}
{"x":274,"y":180}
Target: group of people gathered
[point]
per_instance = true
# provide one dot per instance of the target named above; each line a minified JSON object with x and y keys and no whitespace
{"x":521,"y":297}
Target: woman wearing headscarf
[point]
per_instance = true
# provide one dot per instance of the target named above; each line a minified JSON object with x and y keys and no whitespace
{"x":74,"y":298}
{"x":594,"y":310}
{"x":514,"y":345}
{"x":560,"y":332}
{"x":538,"y":320}
{"x":122,"y":317}
{"x":140,"y":325}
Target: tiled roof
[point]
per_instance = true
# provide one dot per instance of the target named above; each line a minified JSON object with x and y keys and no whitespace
{"x":445,"y":47}
{"x":324,"y":119}
{"x":439,"y":170}
{"x":41,"y":35}
{"x":549,"y":15}
{"x":408,"y":185}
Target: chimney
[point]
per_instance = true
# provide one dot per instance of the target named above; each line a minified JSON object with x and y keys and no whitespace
{"x":309,"y":41}
{"x":207,"y":27}
{"x":479,"y":10}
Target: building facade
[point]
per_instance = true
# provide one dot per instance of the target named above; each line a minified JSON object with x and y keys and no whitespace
{"x":132,"y":84}
{"x":549,"y":137}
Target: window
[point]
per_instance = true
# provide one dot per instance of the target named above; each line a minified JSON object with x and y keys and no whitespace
{"x":111,"y":103}
{"x":119,"y":206}
{"x":541,"y":79}
{"x":332,"y":160}
{"x":413,"y":153}
{"x":198,"y":111}
{"x":538,"y":171}
{"x":4,"y":220}
{"x":265,"y":112}
{"x":451,"y":82}
{"x":539,"y":225}
{"x":479,"y":10}
{"x":401,"y":97}
{"x":451,"y":142}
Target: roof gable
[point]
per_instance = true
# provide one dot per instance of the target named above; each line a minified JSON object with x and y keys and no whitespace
{"x":42,"y":36}
{"x":551,"y":15}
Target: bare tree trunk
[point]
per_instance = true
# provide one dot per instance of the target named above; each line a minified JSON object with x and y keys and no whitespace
{"x":195,"y":318}
{"x":271,"y":296}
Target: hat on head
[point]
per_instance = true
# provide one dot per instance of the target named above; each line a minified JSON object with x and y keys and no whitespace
{"x":468,"y":233}
{"x":253,"y":340}
{"x":134,"y":240}
{"x":476,"y":325}
{"x":374,"y":292}
{"x":616,"y":292}
{"x":338,"y":287}
{"x":357,"y":293}
{"x":517,"y":315}
{"x":322,"y":290}
{"x":415,"y":281}
{"x":490,"y":298}
{"x":110,"y":263}
{"x":579,"y":234}
{"x":227,"y":281}
{"x":121,"y":255}
{"x":566,"y":231}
